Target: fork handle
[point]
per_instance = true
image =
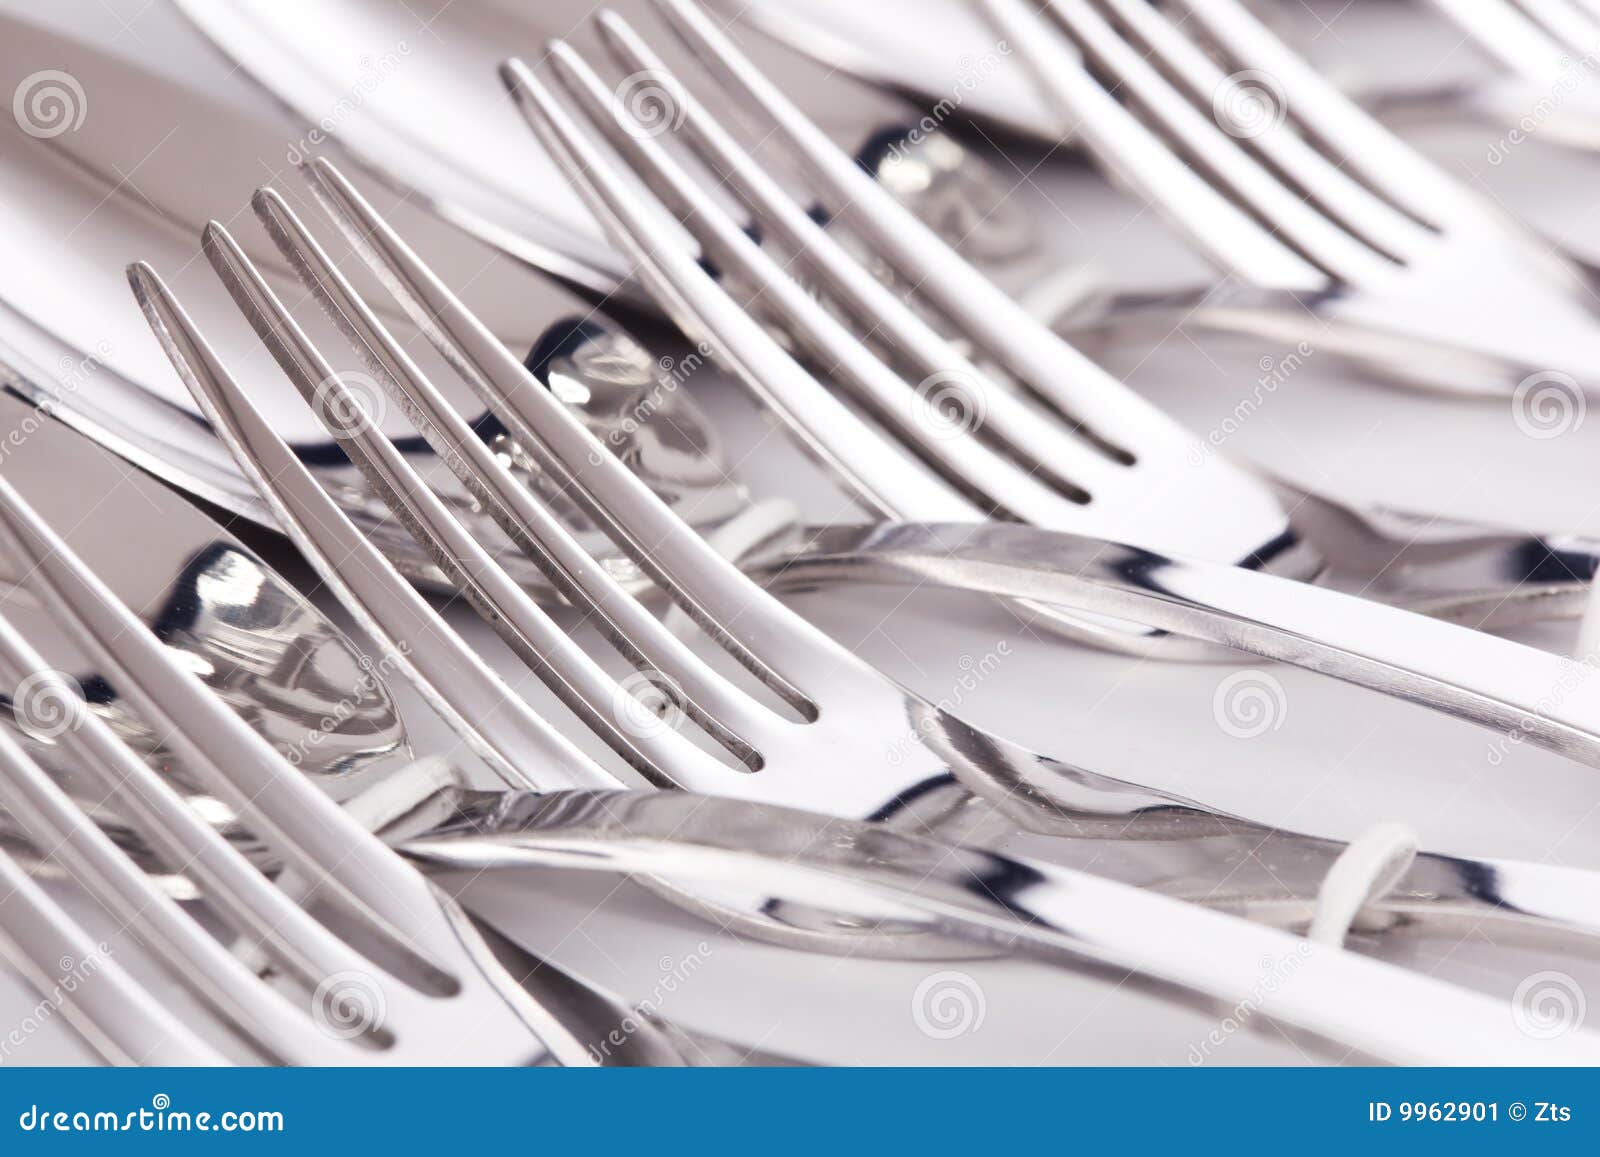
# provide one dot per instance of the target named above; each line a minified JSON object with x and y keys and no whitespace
{"x":1518,"y":690}
{"x":1382,"y":1011}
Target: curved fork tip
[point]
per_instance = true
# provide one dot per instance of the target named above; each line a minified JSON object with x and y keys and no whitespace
{"x":142,"y":279}
{"x":513,"y":70}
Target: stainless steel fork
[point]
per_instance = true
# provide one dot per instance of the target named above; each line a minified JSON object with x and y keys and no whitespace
{"x":391,"y":972}
{"x":837,"y":736}
{"x":416,"y":985}
{"x":1340,"y":232}
{"x":1098,"y":461}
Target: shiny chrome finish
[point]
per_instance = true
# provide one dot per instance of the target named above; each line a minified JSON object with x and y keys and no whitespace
{"x":69,"y":340}
{"x":1022,"y":905}
{"x":389,"y":971}
{"x":1529,"y":37}
{"x":836,"y":736}
{"x":241,"y":627}
{"x":1100,"y":461}
{"x":1355,"y":242}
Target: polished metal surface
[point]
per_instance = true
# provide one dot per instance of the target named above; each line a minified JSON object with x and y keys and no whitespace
{"x":583,"y":790}
{"x":1022,"y":905}
{"x":1110,"y":465}
{"x":1358,"y":243}
{"x":839,"y":738}
{"x":69,"y":339}
{"x":1529,"y":37}
{"x":408,"y":951}
{"x":241,"y":627}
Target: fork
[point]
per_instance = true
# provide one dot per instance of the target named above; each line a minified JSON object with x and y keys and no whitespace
{"x":1121,"y":469}
{"x":390,"y":976}
{"x":837,"y":737}
{"x":1339,"y":231}
{"x":1530,"y":37}
{"x":450,"y":991}
{"x":417,"y":981}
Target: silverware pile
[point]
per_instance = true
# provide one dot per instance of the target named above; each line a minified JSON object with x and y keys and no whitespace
{"x":552,"y":686}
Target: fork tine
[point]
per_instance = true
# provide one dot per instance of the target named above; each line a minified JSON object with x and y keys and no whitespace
{"x":993,"y":321}
{"x":1507,"y":34}
{"x":710,"y":699}
{"x":111,"y":1010}
{"x":863,"y":293}
{"x":664,"y":756}
{"x":1218,"y":157}
{"x":1347,"y":201}
{"x":1574,"y":28}
{"x":510,"y":736}
{"x":1364,"y":146}
{"x":185,"y":841}
{"x":879,"y":475}
{"x":989,"y":480}
{"x":720,"y":599}
{"x":61,"y":829}
{"x":308,"y":829}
